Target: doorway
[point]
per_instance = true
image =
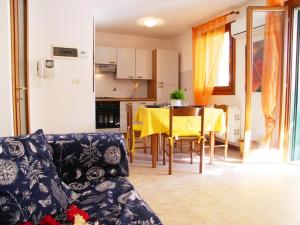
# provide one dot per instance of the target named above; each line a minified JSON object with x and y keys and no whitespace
{"x":19,"y":47}
{"x":265,"y":79}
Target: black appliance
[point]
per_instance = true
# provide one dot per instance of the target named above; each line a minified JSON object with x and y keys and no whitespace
{"x":107,"y":114}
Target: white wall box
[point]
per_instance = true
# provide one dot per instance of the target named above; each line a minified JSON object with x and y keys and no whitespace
{"x":105,"y":55}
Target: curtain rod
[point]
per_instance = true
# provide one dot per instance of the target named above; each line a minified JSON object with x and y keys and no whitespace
{"x":228,"y":14}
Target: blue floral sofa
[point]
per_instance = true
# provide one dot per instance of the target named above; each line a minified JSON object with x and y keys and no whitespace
{"x":43,"y":174}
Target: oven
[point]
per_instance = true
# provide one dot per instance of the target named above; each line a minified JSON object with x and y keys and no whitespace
{"x":108,"y":115}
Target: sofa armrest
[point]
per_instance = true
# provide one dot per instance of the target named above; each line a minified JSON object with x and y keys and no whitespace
{"x":81,"y":157}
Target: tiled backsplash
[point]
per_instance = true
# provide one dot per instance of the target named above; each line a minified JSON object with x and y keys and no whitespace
{"x":106,"y":85}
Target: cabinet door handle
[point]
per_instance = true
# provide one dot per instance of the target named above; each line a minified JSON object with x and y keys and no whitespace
{"x":161,"y":86}
{"x":139,"y":77}
{"x":161,"y":82}
{"x":112,"y":62}
{"x":130,"y":76}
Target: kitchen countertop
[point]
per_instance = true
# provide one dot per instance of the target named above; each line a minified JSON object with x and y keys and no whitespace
{"x":125,"y":99}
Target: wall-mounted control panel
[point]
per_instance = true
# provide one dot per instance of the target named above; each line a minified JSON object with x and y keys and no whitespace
{"x":64,"y":52}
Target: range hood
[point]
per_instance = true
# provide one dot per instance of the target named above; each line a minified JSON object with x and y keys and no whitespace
{"x":106,"y":68}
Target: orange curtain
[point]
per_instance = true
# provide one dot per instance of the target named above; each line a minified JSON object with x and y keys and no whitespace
{"x":208,"y":40}
{"x":272,"y":65}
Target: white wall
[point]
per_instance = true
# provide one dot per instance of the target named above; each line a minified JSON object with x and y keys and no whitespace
{"x":55,"y":104}
{"x":6,"y":123}
{"x":108,"y":86}
{"x":131,"y":41}
{"x":105,"y":83}
{"x":183,"y":44}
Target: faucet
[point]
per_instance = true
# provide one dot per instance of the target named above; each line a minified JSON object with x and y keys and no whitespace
{"x":135,"y":86}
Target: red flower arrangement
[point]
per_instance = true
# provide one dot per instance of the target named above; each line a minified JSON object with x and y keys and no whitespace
{"x":48,"y":220}
{"x":73,"y":210}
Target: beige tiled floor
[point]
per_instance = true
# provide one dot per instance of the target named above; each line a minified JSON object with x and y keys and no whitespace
{"x":228,"y":193}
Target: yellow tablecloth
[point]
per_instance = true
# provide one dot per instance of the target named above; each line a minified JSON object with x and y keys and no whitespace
{"x":156,"y":120}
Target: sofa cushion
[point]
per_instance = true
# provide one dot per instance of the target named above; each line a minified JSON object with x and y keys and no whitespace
{"x":114,"y":201}
{"x":29,"y":184}
{"x":85,"y":157}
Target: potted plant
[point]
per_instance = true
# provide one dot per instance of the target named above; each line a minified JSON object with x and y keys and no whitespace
{"x":176,"y":97}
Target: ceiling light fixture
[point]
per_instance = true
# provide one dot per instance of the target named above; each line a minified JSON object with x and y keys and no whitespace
{"x":150,"y":22}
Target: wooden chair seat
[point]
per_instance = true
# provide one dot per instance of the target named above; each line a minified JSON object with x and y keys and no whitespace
{"x":137,"y":127}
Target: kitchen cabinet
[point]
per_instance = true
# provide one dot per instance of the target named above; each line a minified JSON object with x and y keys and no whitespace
{"x":123,"y":114}
{"x":143,"y":64}
{"x":105,"y":55}
{"x":125,"y":63}
{"x":167,"y":73}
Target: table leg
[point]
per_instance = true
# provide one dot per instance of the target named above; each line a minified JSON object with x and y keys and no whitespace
{"x":158,"y":147}
{"x":154,"y":148}
{"x":211,"y":147}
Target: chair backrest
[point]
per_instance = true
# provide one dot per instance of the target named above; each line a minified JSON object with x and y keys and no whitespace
{"x":186,"y":111}
{"x":225,"y":109}
{"x":129,"y":111}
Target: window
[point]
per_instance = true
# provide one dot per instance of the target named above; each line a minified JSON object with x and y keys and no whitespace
{"x":225,"y":82}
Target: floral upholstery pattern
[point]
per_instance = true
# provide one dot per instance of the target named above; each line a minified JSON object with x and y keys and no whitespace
{"x":86,"y":157}
{"x":115,"y":201}
{"x":29,"y":184}
{"x":95,"y":166}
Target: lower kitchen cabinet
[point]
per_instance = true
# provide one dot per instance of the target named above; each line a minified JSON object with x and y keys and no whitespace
{"x":123,"y":113}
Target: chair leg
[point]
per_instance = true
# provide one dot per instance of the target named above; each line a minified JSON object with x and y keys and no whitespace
{"x":129,"y":148}
{"x":131,"y":157}
{"x":181,"y":147}
{"x":164,"y":149}
{"x":226,"y":150}
{"x":145,"y":144}
{"x":191,"y":151}
{"x":201,"y":146}
{"x":170,"y":159}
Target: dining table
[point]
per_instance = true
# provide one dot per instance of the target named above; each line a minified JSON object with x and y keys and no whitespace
{"x":155,"y":121}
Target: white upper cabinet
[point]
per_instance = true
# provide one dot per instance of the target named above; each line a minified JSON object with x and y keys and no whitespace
{"x":105,"y":55}
{"x":167,"y":67}
{"x":167,"y":73}
{"x":172,"y":76}
{"x":125,"y":63}
{"x":143,"y":64}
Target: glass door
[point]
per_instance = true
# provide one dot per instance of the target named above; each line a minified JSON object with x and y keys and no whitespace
{"x":295,"y":91}
{"x":265,"y":93}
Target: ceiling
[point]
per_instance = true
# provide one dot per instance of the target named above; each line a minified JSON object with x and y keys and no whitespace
{"x":121,"y":16}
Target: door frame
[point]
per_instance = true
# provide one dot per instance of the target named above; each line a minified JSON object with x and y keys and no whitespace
{"x":249,"y":61}
{"x":14,"y":17}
